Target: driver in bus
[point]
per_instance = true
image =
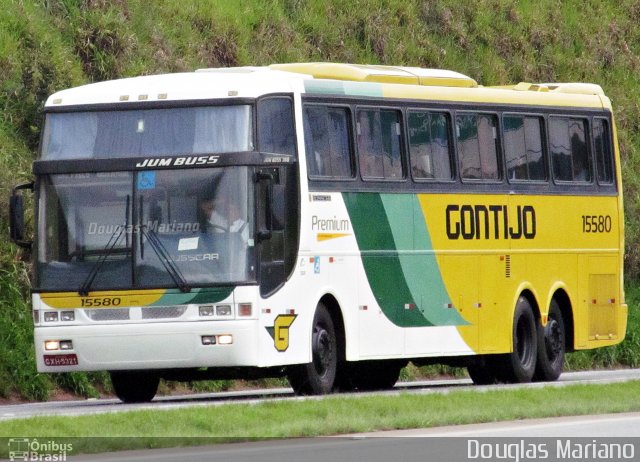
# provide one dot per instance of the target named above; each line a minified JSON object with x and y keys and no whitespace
{"x":221,"y":215}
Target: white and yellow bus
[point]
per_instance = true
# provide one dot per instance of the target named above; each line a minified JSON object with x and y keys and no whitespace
{"x":327,"y":222}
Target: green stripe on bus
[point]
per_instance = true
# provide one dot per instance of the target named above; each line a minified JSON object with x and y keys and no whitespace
{"x":397,"y":256}
{"x":324,"y":87}
{"x":336,"y":87}
{"x":381,"y":263}
{"x":199,"y":296}
{"x":419,"y":265}
{"x":363,"y":89}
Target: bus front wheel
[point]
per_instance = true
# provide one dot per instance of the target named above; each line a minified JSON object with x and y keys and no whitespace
{"x":318,"y":376}
{"x":520,"y":365}
{"x":134,"y":386}
{"x":370,"y":375}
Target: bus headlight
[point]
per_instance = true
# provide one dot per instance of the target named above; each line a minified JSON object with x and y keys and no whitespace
{"x":205,"y":310}
{"x":51,"y":316}
{"x":51,"y":345}
{"x":208,"y":339}
{"x":67,"y":316}
{"x":223,"y":310}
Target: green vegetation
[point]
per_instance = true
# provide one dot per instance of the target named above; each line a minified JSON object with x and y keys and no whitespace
{"x":329,"y":416}
{"x":47,"y":45}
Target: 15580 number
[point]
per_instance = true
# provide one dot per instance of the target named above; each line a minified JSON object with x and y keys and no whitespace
{"x":100,"y":302}
{"x":596,"y":223}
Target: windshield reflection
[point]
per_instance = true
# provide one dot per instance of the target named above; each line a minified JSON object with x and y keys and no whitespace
{"x":183,"y":228}
{"x":157,"y":132}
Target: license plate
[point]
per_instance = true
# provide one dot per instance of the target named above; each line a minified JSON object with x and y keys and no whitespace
{"x":61,"y":360}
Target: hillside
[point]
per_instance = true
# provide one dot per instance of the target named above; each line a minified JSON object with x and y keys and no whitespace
{"x":47,"y":45}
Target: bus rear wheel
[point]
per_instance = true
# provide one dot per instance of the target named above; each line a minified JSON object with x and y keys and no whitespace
{"x":551,"y":346}
{"x":318,"y":376}
{"x":482,"y":371}
{"x":134,"y":386}
{"x":520,"y":365}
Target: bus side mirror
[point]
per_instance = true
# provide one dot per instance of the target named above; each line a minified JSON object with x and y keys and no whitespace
{"x":16,"y":216}
{"x":264,"y":226}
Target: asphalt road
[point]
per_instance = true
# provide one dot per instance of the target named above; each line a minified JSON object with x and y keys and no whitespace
{"x":443,"y":444}
{"x":96,"y":406}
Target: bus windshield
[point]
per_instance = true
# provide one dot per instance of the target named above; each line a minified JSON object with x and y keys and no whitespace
{"x":137,"y":230}
{"x":139,"y":133}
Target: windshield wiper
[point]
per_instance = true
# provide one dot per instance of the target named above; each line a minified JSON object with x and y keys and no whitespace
{"x":83,"y":291}
{"x":162,"y":253}
{"x":166,"y":260}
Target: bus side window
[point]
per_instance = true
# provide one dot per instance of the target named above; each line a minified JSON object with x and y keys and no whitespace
{"x":275,"y":126}
{"x":477,"y":146}
{"x":604,"y":154}
{"x":429,"y":145}
{"x":326,"y":133}
{"x":568,"y":141}
{"x":523,"y":148}
{"x":379,"y":143}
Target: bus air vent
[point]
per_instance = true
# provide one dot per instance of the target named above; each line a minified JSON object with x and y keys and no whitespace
{"x":116,"y":314}
{"x":163,"y":312}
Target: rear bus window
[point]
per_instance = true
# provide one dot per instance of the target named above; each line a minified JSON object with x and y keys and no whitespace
{"x":604,"y":154}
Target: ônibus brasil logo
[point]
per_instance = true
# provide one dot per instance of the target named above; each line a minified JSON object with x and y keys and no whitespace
{"x":30,"y":449}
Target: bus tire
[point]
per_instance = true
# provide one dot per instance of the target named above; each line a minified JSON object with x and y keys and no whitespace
{"x":520,"y":365}
{"x":551,"y":346}
{"x":482,"y":371}
{"x":134,"y":387}
{"x":318,"y":376}
{"x":376,"y":375}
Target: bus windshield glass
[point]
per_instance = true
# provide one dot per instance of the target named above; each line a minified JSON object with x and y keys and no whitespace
{"x":148,"y":229}
{"x":148,"y":132}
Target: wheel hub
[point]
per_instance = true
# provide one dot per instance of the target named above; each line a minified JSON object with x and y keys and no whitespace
{"x":322,"y":351}
{"x":523,"y":342}
{"x":553,"y":339}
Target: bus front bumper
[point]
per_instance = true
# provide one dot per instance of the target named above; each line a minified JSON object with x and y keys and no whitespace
{"x":146,"y":346}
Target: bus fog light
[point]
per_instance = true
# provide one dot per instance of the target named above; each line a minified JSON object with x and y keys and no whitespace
{"x":208,"y":339}
{"x":244,"y":309}
{"x":51,"y":316}
{"x":66,"y":345}
{"x":206,"y":310}
{"x":223,"y":310}
{"x":225,"y":339}
{"x":51,"y":345}
{"x":67,"y":316}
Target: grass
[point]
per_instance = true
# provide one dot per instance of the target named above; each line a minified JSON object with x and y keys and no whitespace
{"x":48,"y":45}
{"x":328,"y":416}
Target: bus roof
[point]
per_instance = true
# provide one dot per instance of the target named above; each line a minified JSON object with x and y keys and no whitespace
{"x":242,"y":82}
{"x":380,"y":74}
{"x":327,"y":78}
